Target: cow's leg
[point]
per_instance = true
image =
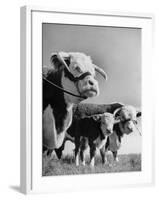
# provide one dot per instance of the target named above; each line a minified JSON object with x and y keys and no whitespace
{"x":103,"y":155}
{"x":77,"y":149}
{"x":59,"y":151}
{"x":92,"y":154}
{"x":115,"y":156}
{"x":49,"y":152}
{"x":44,"y":149}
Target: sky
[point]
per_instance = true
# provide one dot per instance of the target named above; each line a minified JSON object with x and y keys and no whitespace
{"x":117,"y":50}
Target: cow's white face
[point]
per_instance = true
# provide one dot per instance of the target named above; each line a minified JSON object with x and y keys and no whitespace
{"x":79,"y":64}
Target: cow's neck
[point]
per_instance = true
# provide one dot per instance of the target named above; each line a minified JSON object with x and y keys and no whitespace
{"x":55,"y":98}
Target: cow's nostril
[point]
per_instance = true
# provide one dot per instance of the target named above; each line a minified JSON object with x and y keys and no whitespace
{"x":90,"y":82}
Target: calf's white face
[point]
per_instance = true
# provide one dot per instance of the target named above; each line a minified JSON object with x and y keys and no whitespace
{"x":107,"y":123}
{"x":128,"y":119}
{"x":129,"y":127}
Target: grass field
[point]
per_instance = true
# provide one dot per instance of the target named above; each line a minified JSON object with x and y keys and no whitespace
{"x":66,"y":166}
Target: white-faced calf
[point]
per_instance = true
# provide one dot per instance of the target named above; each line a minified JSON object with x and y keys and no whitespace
{"x":93,"y":132}
{"x":127,"y":117}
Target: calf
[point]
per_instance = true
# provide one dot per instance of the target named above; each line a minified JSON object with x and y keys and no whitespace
{"x":127,"y":117}
{"x":91,"y":131}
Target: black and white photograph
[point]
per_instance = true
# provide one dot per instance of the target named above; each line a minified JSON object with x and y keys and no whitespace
{"x":79,"y":100}
{"x":91,"y":96}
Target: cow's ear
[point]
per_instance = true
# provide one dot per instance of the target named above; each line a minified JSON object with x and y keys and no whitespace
{"x":138,"y":114}
{"x":58,"y":60}
{"x":54,"y":60}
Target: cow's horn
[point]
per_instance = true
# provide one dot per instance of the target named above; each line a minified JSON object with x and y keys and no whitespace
{"x":100,"y":71}
{"x":60,"y":57}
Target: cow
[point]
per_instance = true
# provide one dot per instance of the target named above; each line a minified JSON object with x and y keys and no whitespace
{"x":127,"y":116}
{"x":70,"y":80}
{"x":91,"y":131}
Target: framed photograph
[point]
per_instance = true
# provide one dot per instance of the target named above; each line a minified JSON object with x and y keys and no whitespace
{"x":86,"y":100}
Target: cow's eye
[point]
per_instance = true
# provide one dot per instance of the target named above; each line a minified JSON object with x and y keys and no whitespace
{"x":78,"y":69}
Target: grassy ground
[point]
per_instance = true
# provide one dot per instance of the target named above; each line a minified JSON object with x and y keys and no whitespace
{"x":66,"y":165}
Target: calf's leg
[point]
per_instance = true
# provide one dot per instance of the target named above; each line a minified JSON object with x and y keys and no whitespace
{"x":82,"y":156}
{"x":92,"y":154}
{"x":77,"y":149}
{"x":115,"y":156}
{"x":83,"y":147}
{"x":103,"y":155}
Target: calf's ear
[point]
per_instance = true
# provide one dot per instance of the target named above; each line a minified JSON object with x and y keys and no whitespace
{"x":138,"y":114}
